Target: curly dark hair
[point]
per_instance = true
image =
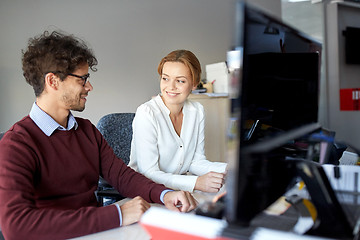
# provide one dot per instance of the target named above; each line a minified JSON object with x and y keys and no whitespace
{"x":54,"y":52}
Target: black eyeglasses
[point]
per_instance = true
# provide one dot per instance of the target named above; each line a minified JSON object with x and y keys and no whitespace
{"x":84,"y":78}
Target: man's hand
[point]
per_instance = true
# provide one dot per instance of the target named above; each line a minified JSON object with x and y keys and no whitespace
{"x":179,"y":201}
{"x":210,"y":182}
{"x":133,"y":210}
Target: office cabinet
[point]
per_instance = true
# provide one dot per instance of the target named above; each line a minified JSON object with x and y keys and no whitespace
{"x":216,"y":121}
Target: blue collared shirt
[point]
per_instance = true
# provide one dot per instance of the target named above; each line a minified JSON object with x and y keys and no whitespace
{"x":47,"y":124}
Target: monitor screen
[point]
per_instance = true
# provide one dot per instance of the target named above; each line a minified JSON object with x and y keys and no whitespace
{"x":274,"y":92}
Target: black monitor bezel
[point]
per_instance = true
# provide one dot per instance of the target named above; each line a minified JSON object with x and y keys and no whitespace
{"x":235,"y":148}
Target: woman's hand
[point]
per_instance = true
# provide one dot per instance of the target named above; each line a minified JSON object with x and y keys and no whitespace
{"x":210,"y":182}
{"x":179,"y":201}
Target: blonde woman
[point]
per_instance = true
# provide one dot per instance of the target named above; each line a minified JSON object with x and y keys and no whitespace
{"x":168,"y":131}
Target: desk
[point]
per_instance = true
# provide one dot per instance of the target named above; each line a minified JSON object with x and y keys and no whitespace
{"x":135,"y":231}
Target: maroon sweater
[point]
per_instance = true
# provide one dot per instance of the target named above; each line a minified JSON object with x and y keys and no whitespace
{"x":47,"y":184}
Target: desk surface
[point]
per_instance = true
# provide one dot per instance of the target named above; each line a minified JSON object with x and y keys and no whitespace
{"x":135,"y":231}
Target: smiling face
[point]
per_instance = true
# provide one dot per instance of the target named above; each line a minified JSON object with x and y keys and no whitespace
{"x":74,"y":92}
{"x":176,"y":83}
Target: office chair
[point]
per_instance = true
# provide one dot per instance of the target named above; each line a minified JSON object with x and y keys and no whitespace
{"x":117,"y":131}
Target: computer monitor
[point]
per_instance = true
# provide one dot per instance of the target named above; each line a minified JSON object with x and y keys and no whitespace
{"x":278,"y":88}
{"x":274,"y":91}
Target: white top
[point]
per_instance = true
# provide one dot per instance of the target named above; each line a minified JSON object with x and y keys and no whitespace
{"x":161,"y":155}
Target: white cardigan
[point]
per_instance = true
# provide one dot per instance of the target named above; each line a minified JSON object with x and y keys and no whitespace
{"x":161,"y":155}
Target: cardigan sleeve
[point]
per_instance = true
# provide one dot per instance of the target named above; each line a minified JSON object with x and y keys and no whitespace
{"x":62,"y":211}
{"x":22,"y":218}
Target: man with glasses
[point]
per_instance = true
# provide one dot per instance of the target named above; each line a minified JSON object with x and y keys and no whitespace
{"x":50,"y":161}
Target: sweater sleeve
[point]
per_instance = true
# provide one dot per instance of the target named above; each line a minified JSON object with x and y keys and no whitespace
{"x":20,"y":215}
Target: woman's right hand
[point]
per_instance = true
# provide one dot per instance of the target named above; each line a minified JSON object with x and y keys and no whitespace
{"x":210,"y":182}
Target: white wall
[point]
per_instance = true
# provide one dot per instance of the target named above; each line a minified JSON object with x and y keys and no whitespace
{"x":341,"y":75}
{"x":129,"y":37}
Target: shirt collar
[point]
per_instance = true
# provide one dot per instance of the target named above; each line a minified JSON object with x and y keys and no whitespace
{"x":47,"y":124}
{"x":161,"y":103}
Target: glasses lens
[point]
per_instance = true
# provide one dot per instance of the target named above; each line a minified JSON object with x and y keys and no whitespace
{"x":85,"y":78}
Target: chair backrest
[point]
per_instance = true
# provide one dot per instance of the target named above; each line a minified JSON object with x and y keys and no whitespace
{"x":117,"y":131}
